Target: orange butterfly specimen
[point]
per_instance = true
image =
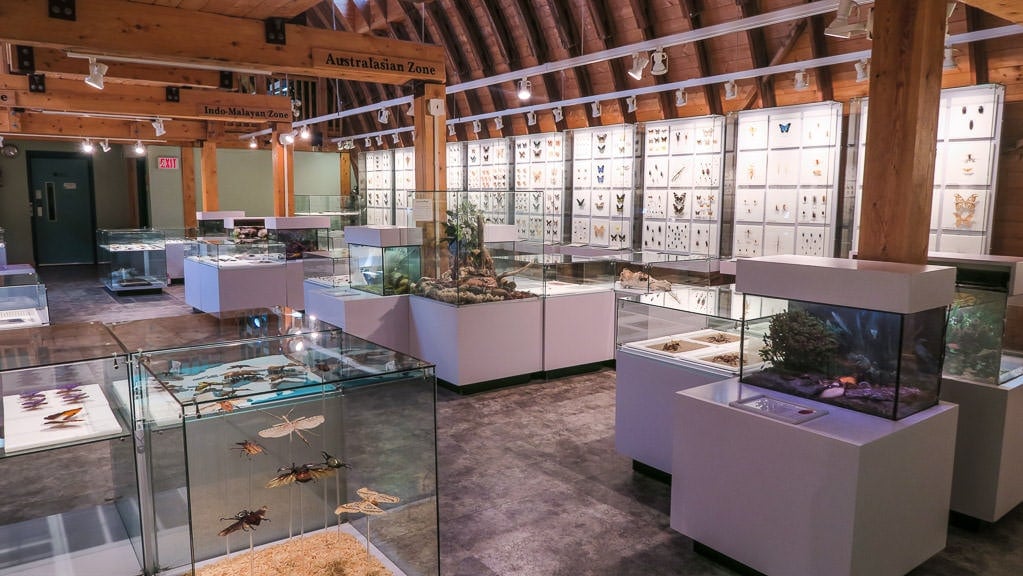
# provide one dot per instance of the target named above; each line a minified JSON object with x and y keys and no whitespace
{"x":371,"y":499}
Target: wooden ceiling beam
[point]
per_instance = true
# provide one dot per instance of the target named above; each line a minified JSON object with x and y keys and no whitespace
{"x":508,"y":50}
{"x":1010,"y":10}
{"x":758,"y":53}
{"x":819,"y":49}
{"x":796,"y":30}
{"x":71,"y":96}
{"x":538,"y":46}
{"x":99,"y":128}
{"x":978,"y":50}
{"x":605,"y":37}
{"x":565,"y":26}
{"x":693,"y":11}
{"x":260,"y":10}
{"x":55,"y":63}
{"x":124,"y":28}
{"x":645,"y":22}
{"x":439,"y":20}
{"x":474,"y":33}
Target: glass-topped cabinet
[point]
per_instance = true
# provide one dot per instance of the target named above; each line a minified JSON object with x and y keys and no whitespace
{"x":176,"y":241}
{"x":342,"y":210}
{"x":298,"y":234}
{"x":230,"y":254}
{"x":246,"y":229}
{"x":647,"y":271}
{"x":66,"y":425}
{"x":696,"y":326}
{"x":328,"y":268}
{"x":554,"y":274}
{"x":383,"y":259}
{"x":22,"y":298}
{"x":131,"y":260}
{"x":275,"y":446}
{"x":211,"y":223}
{"x":983,"y":345}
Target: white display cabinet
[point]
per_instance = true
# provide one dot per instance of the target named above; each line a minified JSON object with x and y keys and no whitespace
{"x":132,"y":260}
{"x":328,"y":268}
{"x":541,"y":165}
{"x":176,"y":241}
{"x":404,"y":186}
{"x":22,"y":298}
{"x":222,"y":276}
{"x":377,"y":179}
{"x":603,"y":202}
{"x":488,"y":178}
{"x":683,"y":185}
{"x":965,"y":169}
{"x":456,"y":170}
{"x":299,"y":235}
{"x":786,"y":180}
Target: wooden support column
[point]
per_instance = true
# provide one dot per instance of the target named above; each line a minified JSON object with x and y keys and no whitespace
{"x":346,"y":173}
{"x":431,"y":166}
{"x":902,"y":127}
{"x":188,"y":186}
{"x":284,"y":172}
{"x":208,"y":162}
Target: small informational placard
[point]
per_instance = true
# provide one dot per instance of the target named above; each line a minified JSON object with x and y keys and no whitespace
{"x":167,"y":163}
{"x":422,"y":210}
{"x":778,"y":409}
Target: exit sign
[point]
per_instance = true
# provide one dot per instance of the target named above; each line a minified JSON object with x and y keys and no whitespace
{"x":167,"y":163}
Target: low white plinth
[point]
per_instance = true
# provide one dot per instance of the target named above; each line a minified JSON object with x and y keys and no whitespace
{"x":383,"y":320}
{"x":988,"y":477}
{"x":176,"y":260}
{"x":294,"y":280}
{"x":843,"y":494}
{"x":578,"y":329}
{"x":644,"y":398}
{"x":220,"y":289}
{"x":477,"y":342}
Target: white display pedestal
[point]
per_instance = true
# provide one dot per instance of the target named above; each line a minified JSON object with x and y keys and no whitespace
{"x":294,"y":281}
{"x":988,"y":477}
{"x":644,"y":402}
{"x":176,"y":261}
{"x":578,"y":329}
{"x":478,"y":342}
{"x":221,"y":289}
{"x":383,"y":320}
{"x":843,"y":494}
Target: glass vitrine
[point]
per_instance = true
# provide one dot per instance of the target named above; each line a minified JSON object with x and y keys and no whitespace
{"x":67,"y":462}
{"x":229,"y":254}
{"x":211,"y":223}
{"x":246,"y":229}
{"x":647,"y":271}
{"x":132,"y":260}
{"x":384,"y":259}
{"x":312,"y":439}
{"x":554,"y":274}
{"x":328,"y":268}
{"x":342,"y":210}
{"x":298,"y":234}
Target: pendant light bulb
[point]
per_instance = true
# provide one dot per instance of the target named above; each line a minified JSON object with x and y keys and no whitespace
{"x":305,"y":134}
{"x":139,"y":148}
{"x":525,"y":89}
{"x":87,"y":146}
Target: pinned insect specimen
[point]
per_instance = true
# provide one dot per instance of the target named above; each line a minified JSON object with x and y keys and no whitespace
{"x":64,"y":389}
{"x":334,"y":462}
{"x":370,"y":503}
{"x":248,"y":447}
{"x":245,"y":520}
{"x":304,"y":473}
{"x":32,"y":402}
{"x":75,"y":397}
{"x":63,"y":418}
{"x":287,"y":426}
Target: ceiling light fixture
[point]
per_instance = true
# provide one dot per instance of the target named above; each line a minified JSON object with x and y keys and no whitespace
{"x":384,"y":115}
{"x":139,"y":148}
{"x":595,"y":109}
{"x":731,"y":90}
{"x":380,"y":140}
{"x":395,"y":138}
{"x":659,"y":62}
{"x":476,"y":127}
{"x":630,"y":102}
{"x":96,"y":72}
{"x":800,"y":81}
{"x":949,"y":62}
{"x":451,"y":129}
{"x":530,"y":118}
{"x":368,"y":142}
{"x":862,"y":69}
{"x":525,"y":89}
{"x":840,"y":26}
{"x":305,"y":134}
{"x":158,"y":127}
{"x":639,"y":62}
{"x":499,"y":123}
{"x":411,"y":110}
{"x":252,"y":143}
{"x":559,"y":114}
{"x":87,"y":146}
{"x":681,"y":98}
{"x":286,"y":138}
{"x":104,"y":145}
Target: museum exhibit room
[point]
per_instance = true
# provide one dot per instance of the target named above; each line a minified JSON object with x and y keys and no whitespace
{"x":511,"y":287}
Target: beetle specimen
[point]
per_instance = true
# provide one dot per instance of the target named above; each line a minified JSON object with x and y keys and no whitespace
{"x":304,"y":473}
{"x":244,"y":521}
{"x":248,"y":447}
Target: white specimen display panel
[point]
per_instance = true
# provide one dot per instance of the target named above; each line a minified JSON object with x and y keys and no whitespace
{"x":539,"y":178}
{"x":603,"y":185}
{"x":965,"y":169}
{"x":380,"y":185}
{"x":489,"y":178}
{"x":786,"y":180}
{"x":683,"y":185}
{"x":404,"y":185}
{"x":456,"y":168}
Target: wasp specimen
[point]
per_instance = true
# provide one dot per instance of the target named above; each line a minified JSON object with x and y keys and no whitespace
{"x":244,"y":521}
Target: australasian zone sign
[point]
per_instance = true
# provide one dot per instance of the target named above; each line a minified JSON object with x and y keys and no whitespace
{"x":369,"y":64}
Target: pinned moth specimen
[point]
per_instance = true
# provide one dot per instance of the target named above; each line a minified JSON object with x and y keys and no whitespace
{"x":63,"y":418}
{"x":305,"y":473}
{"x":287,"y":426}
{"x":370,"y":503}
{"x":245,"y":520}
{"x":248,"y":447}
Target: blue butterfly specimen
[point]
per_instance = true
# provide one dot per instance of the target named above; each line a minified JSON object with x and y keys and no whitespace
{"x":785,"y":127}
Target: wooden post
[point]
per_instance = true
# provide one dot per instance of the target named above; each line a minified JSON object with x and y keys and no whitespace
{"x":902,"y":127}
{"x":431,"y":166}
{"x":208,"y":161}
{"x":284,"y":172}
{"x":188,"y":186}
{"x":346,"y":173}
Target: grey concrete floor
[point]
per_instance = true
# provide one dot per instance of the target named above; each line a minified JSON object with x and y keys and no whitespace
{"x":529,"y":480}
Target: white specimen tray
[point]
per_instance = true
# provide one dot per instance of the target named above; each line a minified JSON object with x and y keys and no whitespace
{"x":25,"y":430}
{"x":778,"y":409}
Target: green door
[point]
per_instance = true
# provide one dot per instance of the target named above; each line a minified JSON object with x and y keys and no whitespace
{"x":63,"y":215}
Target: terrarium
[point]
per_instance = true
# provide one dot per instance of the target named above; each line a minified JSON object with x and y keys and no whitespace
{"x":210,"y":224}
{"x":386,"y":270}
{"x":246,"y":229}
{"x":228,"y":253}
{"x":298,"y":234}
{"x":23,"y":305}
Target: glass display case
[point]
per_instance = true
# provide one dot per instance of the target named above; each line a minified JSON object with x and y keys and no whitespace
{"x":697,"y":326}
{"x":172,"y":236}
{"x":882,"y":363}
{"x":298,"y":234}
{"x":246,"y":229}
{"x":559,"y":274}
{"x":3,"y":249}
{"x":385,"y":271}
{"x":66,"y":426}
{"x":342,"y":210}
{"x":131,"y":260}
{"x":23,"y":305}
{"x":227,"y":253}
{"x":210,"y":224}
{"x":313,"y":445}
{"x":647,"y":271}
{"x":328,"y":268}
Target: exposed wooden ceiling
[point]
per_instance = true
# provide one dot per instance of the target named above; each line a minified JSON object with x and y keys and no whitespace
{"x":481,"y":39}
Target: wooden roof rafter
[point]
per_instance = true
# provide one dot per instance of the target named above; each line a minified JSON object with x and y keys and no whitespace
{"x":538,"y":46}
{"x":758,"y":53}
{"x":570,"y":40}
{"x":641,"y":11}
{"x":474,"y":34}
{"x":693,"y":11}
{"x":605,"y":34}
{"x":819,"y":49}
{"x":461,"y":68}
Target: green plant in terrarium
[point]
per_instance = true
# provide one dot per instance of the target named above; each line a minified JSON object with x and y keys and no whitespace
{"x":974,"y":337}
{"x":798,"y":342}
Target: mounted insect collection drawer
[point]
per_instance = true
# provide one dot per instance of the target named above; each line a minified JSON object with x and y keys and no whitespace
{"x":317,"y":443}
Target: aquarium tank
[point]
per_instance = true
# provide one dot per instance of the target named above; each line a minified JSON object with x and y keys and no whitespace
{"x":384,"y":271}
{"x":881,"y":363}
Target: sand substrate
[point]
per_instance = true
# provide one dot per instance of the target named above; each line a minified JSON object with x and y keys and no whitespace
{"x":331,"y":553}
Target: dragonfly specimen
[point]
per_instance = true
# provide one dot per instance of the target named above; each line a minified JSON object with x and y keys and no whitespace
{"x":287,"y":426}
{"x":63,"y":418}
{"x":244,"y":521}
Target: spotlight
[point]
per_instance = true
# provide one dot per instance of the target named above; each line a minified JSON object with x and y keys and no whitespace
{"x":305,"y":134}
{"x":559,"y":114}
{"x":451,"y":129}
{"x":413,"y":136}
{"x":411,"y":110}
{"x":104,"y":145}
{"x":380,"y":140}
{"x":384,"y":115}
{"x":681,"y":99}
{"x":96,"y":72}
{"x":949,"y":63}
{"x":800,"y":80}
{"x":862,"y":70}
{"x":286,"y":138}
{"x":840,"y":26}
{"x":631,"y":103}
{"x":87,"y":146}
{"x":731,"y":90}
{"x":158,"y":127}
{"x":368,"y":142}
{"x":595,"y":109}
{"x":639,"y":62}
{"x":476,"y":127}
{"x":252,"y":143}
{"x":525,"y":89}
{"x":139,"y":148}
{"x":499,"y":123}
{"x":530,"y":118}
{"x":395,"y":138}
{"x":659,"y":61}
